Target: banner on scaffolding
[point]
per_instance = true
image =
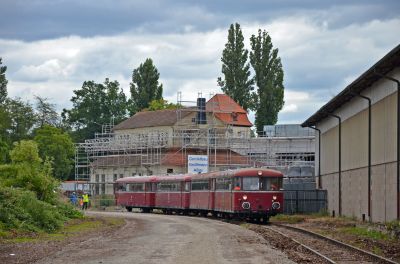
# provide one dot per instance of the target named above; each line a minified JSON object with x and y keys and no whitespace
{"x":197,"y":164}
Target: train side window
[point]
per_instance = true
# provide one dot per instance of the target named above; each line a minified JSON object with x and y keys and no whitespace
{"x":223,"y":184}
{"x":122,"y":187}
{"x":200,"y":185}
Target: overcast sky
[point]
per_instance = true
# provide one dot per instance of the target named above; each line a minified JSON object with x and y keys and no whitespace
{"x":51,"y":46}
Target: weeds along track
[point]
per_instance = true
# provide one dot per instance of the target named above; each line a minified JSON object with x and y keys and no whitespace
{"x":327,"y":249}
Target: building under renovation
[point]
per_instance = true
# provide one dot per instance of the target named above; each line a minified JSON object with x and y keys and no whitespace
{"x":216,"y":132}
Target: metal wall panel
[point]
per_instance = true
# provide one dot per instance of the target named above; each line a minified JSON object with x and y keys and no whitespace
{"x":355,"y":141}
{"x":329,"y":151}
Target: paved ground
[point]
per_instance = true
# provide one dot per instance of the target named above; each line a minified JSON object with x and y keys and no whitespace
{"x":152,"y":238}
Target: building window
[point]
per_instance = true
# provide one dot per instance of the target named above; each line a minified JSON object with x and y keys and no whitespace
{"x":103,"y":189}
{"x":170,"y":170}
{"x":193,"y":120}
{"x":103,"y":178}
{"x":115,"y":177}
{"x":234,"y":116}
{"x":133,"y":173}
{"x":97,"y":177}
{"x":121,"y":175}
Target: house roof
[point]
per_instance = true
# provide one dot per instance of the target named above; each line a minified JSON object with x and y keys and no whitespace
{"x":223,"y":106}
{"x":223,"y":103}
{"x":151,"y":119}
{"x":383,"y":66}
{"x":228,"y":111}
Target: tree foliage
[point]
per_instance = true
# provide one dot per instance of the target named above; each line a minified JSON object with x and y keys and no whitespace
{"x":236,"y":69}
{"x":93,"y":105}
{"x":45,"y":112}
{"x":3,"y":83}
{"x":56,"y":145}
{"x":19,"y":120}
{"x":29,"y":172}
{"x":144,"y":87}
{"x":269,"y":79}
{"x":161,"y":104}
{"x":28,"y":192}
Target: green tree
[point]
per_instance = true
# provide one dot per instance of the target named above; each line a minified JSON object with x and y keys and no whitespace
{"x":45,"y":112}
{"x":19,"y":119}
{"x":161,"y":104}
{"x":29,"y":172}
{"x":56,"y":145}
{"x":93,"y":105}
{"x":3,"y":83}
{"x":269,"y":79}
{"x":236,"y":69}
{"x":144,"y":87}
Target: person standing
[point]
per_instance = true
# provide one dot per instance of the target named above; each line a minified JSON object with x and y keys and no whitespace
{"x":85,"y":198}
{"x":74,"y":199}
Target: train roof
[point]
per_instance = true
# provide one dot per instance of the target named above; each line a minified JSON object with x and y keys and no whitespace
{"x":251,"y":172}
{"x":138,"y":179}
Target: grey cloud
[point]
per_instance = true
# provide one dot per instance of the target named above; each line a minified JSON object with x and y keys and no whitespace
{"x":46,"y":19}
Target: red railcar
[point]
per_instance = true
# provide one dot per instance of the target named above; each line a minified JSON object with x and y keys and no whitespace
{"x":244,"y":193}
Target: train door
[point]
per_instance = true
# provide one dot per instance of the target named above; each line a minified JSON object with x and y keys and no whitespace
{"x":211,"y":199}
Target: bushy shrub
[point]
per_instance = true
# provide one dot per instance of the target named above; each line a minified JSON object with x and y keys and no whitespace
{"x":20,"y":209}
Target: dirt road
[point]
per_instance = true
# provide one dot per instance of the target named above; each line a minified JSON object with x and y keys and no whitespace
{"x":152,"y":238}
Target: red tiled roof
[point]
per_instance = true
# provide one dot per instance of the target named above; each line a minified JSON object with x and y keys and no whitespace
{"x":223,"y":103}
{"x":228,"y":111}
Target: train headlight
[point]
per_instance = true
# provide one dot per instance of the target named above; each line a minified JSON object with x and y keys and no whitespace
{"x":244,"y":197}
{"x":274,"y":197}
{"x":276,"y":205}
{"x":246,"y":205}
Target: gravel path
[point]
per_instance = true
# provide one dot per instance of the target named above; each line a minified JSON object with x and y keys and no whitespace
{"x":152,"y":238}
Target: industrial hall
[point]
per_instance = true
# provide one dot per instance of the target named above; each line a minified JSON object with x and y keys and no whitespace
{"x":358,"y":146}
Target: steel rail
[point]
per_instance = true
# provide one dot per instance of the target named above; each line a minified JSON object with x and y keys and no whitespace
{"x":337,"y":242}
{"x":302,"y":245}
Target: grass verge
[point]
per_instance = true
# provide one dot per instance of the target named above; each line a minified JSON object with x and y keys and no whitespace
{"x":73,"y":227}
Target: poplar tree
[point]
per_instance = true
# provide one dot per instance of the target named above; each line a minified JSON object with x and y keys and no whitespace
{"x":269,"y":79}
{"x":3,"y":83}
{"x":236,"y":69}
{"x":144,"y":87}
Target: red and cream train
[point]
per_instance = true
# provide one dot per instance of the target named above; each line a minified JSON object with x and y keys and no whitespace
{"x":245,"y":193}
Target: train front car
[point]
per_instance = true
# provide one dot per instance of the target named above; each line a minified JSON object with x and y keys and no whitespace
{"x":257,"y":193}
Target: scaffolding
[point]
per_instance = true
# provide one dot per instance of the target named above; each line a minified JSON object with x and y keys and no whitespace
{"x":225,"y":149}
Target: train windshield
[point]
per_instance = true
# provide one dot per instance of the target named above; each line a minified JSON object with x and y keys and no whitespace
{"x":271,"y":183}
{"x":261,"y":184}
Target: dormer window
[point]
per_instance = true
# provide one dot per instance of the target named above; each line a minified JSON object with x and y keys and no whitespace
{"x":234,"y":116}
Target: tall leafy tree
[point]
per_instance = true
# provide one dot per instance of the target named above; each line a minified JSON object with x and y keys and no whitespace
{"x":236,"y":69}
{"x":45,"y":112}
{"x":144,"y":86}
{"x":269,"y":79}
{"x":58,"y":147}
{"x":93,"y":105}
{"x":3,"y":83}
{"x":20,"y":119}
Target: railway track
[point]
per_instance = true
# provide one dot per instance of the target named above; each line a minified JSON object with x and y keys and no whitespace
{"x":327,"y":249}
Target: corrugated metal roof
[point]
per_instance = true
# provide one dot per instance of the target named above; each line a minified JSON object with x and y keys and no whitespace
{"x":383,"y":66}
